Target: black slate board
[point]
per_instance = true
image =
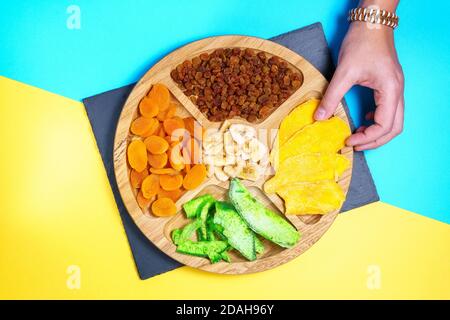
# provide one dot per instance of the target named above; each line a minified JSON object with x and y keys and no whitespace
{"x":104,"y":110}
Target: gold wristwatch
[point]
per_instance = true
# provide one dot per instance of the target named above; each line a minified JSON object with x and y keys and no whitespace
{"x":374,"y":16}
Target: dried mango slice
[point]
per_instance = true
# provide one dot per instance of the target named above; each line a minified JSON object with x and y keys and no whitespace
{"x":320,"y":137}
{"x":312,"y":197}
{"x":307,"y":167}
{"x":300,"y":117}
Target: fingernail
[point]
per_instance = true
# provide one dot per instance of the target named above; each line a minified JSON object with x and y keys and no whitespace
{"x":349,"y":142}
{"x":320,"y":113}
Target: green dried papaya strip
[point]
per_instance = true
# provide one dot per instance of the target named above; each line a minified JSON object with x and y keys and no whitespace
{"x":193,"y":207}
{"x":176,"y":235}
{"x":260,"y":219}
{"x":238,"y":234}
{"x":181,"y":235}
{"x":203,"y":217}
{"x":225,"y":257}
{"x":259,"y":247}
{"x":208,"y":249}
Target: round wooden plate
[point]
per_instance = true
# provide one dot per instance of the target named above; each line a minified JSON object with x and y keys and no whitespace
{"x":158,"y":229}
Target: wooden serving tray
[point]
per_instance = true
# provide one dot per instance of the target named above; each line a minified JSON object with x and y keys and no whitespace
{"x":158,"y":229}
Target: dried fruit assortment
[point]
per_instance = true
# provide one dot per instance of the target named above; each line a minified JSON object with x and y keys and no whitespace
{"x":162,"y":154}
{"x":221,"y":160}
{"x":235,"y":82}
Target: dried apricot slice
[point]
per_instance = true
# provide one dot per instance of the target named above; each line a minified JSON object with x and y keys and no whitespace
{"x":171,"y":111}
{"x":161,"y":132}
{"x":150,"y":186}
{"x":136,"y":178}
{"x":152,"y":129}
{"x":174,"y":194}
{"x":168,"y":139}
{"x":164,"y":207}
{"x":161,"y":115}
{"x":143,"y":202}
{"x":191,"y":149}
{"x":140,"y":125}
{"x":189,"y":124}
{"x":156,"y":144}
{"x":157,"y":161}
{"x":193,"y":127}
{"x":148,"y":108}
{"x":171,"y":182}
{"x":172,"y":124}
{"x":167,"y":113}
{"x":194,"y":177}
{"x":160,"y":95}
{"x":169,"y":171}
{"x":137,"y":155}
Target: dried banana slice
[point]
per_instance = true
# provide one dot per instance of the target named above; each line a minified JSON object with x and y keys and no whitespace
{"x":232,"y":171}
{"x":250,"y":171}
{"x":220,"y":174}
{"x":228,"y":143}
{"x":257,"y":150}
{"x":219,"y":160}
{"x":242,"y":133}
{"x":212,"y":136}
{"x":209,"y":170}
{"x":225,"y":126}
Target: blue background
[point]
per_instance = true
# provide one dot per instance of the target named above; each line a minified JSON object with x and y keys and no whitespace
{"x":119,"y":40}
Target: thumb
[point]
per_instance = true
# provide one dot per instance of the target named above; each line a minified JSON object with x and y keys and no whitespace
{"x":338,"y":87}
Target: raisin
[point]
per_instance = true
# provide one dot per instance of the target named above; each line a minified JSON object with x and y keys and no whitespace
{"x":264,"y":111}
{"x":187,"y":64}
{"x":249,"y":52}
{"x":296,"y":84}
{"x":204,"y":56}
{"x":274,"y":69}
{"x":241,"y":100}
{"x":262,"y":56}
{"x":234,"y":60}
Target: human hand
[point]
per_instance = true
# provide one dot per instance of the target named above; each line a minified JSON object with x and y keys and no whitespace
{"x":368,"y":58}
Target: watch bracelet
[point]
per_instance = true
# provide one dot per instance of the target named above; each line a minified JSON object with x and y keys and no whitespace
{"x":374,"y":16}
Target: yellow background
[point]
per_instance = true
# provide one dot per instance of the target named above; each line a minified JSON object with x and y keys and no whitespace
{"x":57,"y":210}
